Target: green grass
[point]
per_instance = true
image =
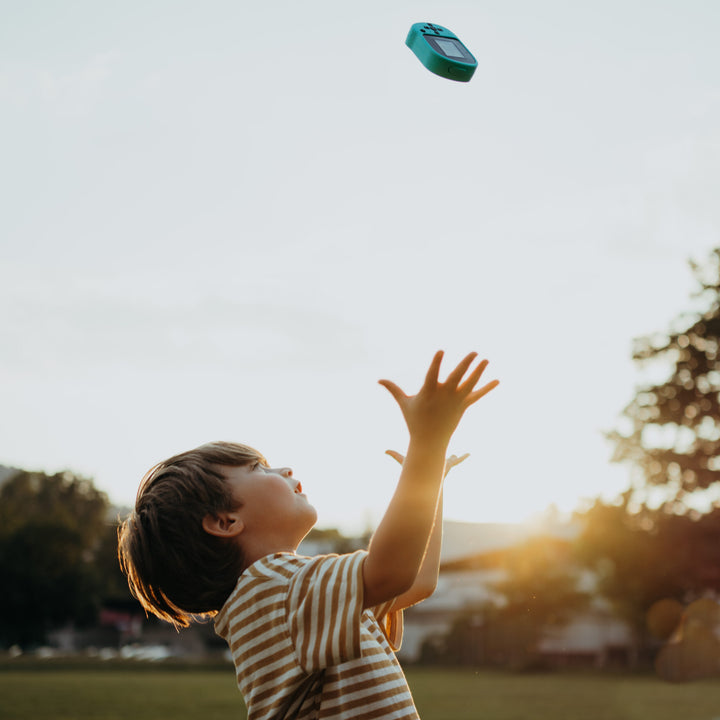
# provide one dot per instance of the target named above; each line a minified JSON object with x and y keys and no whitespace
{"x":466,"y":695}
{"x":138,"y":694}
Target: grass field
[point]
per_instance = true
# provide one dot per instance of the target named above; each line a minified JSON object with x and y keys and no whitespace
{"x":62,"y":694}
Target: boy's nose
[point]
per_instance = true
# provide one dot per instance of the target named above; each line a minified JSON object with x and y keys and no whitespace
{"x":286,"y":472}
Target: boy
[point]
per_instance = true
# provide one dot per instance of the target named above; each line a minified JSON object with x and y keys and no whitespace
{"x":214,"y":532}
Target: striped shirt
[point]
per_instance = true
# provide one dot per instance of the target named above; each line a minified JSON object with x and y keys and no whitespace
{"x":303,"y":646}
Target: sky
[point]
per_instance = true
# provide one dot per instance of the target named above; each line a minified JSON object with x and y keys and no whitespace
{"x":228,"y":220}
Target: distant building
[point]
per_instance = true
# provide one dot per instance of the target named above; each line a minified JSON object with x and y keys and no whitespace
{"x":593,"y":637}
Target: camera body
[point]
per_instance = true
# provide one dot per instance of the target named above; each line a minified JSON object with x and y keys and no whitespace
{"x":441,"y":51}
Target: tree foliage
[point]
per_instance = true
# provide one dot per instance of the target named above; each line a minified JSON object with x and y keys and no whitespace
{"x":53,"y":532}
{"x":672,"y":433}
{"x":641,"y":558}
{"x":63,"y":499}
{"x":628,"y":554}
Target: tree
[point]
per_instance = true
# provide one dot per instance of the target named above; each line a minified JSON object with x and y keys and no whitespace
{"x":63,"y":499}
{"x":642,"y":558}
{"x":672,"y":428}
{"x":659,"y":541}
{"x":629,"y":558}
{"x":51,"y":529}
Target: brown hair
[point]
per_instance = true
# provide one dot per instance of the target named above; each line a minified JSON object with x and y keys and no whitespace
{"x":174,"y":568}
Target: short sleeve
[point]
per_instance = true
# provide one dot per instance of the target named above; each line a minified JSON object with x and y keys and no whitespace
{"x":391,"y":623}
{"x":324,"y":606}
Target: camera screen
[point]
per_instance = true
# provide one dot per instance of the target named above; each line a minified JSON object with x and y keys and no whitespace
{"x":450,"y":48}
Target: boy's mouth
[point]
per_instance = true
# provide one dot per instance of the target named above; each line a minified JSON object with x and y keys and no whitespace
{"x":298,"y":489}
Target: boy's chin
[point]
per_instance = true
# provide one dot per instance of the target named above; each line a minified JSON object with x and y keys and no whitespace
{"x":312,"y":517}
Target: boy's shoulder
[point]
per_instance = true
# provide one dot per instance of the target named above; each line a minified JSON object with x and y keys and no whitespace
{"x":275,"y":580}
{"x":283,"y":567}
{"x":279,"y":566}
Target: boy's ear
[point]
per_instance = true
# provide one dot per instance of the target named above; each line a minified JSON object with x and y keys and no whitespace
{"x":224,"y":524}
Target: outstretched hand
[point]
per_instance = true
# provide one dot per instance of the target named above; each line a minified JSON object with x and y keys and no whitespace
{"x":403,"y":556}
{"x":450,"y":462}
{"x":433,"y":414}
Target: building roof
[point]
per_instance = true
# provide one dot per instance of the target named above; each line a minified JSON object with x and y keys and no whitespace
{"x":463,"y":539}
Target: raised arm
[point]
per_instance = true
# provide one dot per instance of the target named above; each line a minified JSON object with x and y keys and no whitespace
{"x":427,"y":577}
{"x":400,"y":542}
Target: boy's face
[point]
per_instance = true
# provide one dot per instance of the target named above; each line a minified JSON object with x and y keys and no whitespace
{"x":274,"y":511}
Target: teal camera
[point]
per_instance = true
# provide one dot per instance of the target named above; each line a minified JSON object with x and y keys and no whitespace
{"x":441,"y":52}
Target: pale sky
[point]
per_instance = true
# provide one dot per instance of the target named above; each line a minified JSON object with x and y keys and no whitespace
{"x":228,"y":220}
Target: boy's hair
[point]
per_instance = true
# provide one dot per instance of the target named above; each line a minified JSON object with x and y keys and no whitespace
{"x":174,"y":567}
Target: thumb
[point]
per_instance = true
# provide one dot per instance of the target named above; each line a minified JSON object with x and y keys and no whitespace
{"x":394,"y":390}
{"x":454,"y":460}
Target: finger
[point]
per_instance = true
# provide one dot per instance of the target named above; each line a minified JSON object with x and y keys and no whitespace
{"x":434,"y":370}
{"x":454,"y":460}
{"x":395,"y":456}
{"x":394,"y":390}
{"x":484,"y":390}
{"x":472,"y":379}
{"x":457,"y":374}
